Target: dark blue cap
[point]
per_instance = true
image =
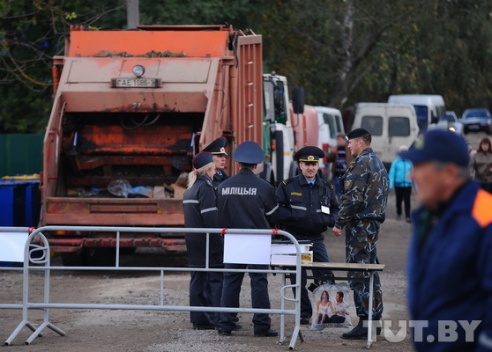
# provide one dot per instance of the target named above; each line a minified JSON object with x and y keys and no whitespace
{"x":248,"y":153}
{"x":202,"y":159}
{"x":217,"y":147}
{"x":439,"y":145}
{"x":309,"y":154}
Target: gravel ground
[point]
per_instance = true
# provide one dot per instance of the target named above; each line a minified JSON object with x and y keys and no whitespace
{"x":163,"y":331}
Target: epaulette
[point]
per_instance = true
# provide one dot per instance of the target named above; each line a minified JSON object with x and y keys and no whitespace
{"x":286,"y":182}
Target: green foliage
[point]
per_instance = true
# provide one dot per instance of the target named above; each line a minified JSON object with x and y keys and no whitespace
{"x":340,"y":51}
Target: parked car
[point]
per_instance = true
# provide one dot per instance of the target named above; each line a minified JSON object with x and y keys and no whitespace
{"x":475,"y":120}
{"x":454,"y":124}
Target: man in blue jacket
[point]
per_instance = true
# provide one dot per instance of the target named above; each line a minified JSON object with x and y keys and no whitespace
{"x":450,"y":261}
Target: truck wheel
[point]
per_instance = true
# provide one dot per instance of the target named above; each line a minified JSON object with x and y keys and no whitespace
{"x":71,"y":259}
{"x":99,"y":257}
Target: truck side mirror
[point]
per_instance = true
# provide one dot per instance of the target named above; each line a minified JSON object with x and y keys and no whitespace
{"x":298,"y":100}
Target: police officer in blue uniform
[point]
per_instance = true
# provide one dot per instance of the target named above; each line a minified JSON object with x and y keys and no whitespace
{"x":200,"y":211}
{"x":246,"y":201}
{"x":217,"y":148}
{"x":308,"y":206}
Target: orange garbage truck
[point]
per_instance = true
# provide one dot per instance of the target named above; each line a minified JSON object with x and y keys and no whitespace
{"x":131,"y":109}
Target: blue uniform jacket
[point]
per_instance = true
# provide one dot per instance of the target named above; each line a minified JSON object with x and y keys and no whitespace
{"x":300,"y":207}
{"x":450,"y":275}
{"x":200,"y":211}
{"x":246,"y":201}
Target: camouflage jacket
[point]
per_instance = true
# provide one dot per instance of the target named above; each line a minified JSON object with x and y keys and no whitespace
{"x":365,"y":190}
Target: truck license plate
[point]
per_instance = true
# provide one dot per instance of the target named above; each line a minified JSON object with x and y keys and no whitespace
{"x":136,"y":82}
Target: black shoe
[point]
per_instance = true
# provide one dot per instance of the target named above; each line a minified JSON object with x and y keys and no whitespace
{"x":268,"y":333}
{"x":203,"y":327}
{"x":361,"y":331}
{"x":356,"y":333}
{"x":223,"y":332}
{"x":237,"y":327}
{"x":408,"y":220}
{"x":304,"y":321}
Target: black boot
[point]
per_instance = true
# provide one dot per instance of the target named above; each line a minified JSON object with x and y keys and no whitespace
{"x":361,"y":330}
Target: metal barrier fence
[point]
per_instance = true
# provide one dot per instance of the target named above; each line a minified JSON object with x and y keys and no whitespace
{"x":37,"y":258}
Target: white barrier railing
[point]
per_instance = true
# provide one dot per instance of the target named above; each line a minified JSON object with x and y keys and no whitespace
{"x":37,"y":258}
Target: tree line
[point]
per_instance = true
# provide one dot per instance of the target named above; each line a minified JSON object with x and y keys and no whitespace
{"x":341,"y":51}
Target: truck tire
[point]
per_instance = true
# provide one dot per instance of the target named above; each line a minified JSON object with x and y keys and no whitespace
{"x":72,"y":259}
{"x":104,"y":256}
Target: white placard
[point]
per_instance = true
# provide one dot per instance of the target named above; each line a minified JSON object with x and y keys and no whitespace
{"x":12,"y":246}
{"x":247,"y":249}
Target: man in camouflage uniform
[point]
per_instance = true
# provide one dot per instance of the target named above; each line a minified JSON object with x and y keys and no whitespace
{"x":362,"y":210}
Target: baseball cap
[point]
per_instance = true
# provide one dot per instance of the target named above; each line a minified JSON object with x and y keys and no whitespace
{"x":439,"y":145}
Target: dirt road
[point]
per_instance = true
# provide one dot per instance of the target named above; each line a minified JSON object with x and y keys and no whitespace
{"x":137,"y":330}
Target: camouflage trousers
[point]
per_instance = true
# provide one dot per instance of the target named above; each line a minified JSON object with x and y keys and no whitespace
{"x":361,"y":237}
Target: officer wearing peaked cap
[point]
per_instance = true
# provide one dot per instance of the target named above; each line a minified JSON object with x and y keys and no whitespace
{"x":217,"y":149}
{"x":246,"y":201}
{"x":200,"y":211}
{"x":307,"y":207}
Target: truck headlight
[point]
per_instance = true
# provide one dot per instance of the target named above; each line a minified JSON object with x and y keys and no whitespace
{"x":138,"y":70}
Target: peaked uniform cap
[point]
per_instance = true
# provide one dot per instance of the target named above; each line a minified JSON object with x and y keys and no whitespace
{"x":248,"y":153}
{"x":309,"y":154}
{"x":217,"y":147}
{"x":202,"y":159}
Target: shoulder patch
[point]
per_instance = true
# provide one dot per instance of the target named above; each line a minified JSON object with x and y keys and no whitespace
{"x":481,"y":208}
{"x":347,"y":184}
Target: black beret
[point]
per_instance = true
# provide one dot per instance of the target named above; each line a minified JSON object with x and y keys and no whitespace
{"x":217,"y":147}
{"x":357,"y":133}
{"x":309,"y":154}
{"x":202,"y":159}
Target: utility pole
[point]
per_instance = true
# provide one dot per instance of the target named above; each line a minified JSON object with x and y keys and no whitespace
{"x":132,"y":14}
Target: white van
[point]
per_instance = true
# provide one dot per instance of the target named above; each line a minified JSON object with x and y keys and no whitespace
{"x":330,"y":123}
{"x":430,"y":109}
{"x":390,"y":125}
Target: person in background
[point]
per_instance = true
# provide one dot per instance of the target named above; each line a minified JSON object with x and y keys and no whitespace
{"x":481,"y":164}
{"x":362,"y":210}
{"x":200,"y":211}
{"x":341,"y":309}
{"x":449,"y":260}
{"x":340,"y":159}
{"x":217,"y":148}
{"x":399,"y":180}
{"x":324,"y":309}
{"x":246,"y":201}
{"x":307,"y":207}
